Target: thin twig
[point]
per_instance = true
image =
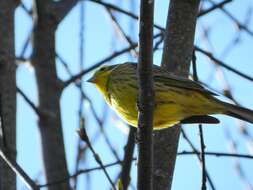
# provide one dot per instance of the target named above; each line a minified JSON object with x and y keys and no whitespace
{"x":202,"y":144}
{"x":83,"y":135}
{"x":118,"y":9}
{"x":217,"y":154}
{"x":80,"y":150}
{"x":198,"y":156}
{"x":221,"y":63}
{"x":202,"y":154}
{"x":235,"y":20}
{"x":128,"y":158}
{"x":18,"y":171}
{"x":96,"y":65}
{"x":214,"y":7}
{"x":79,"y":172}
{"x":121,"y":32}
{"x":30,"y":103}
{"x":84,"y":97}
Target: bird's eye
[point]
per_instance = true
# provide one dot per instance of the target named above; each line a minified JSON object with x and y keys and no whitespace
{"x":102,"y":69}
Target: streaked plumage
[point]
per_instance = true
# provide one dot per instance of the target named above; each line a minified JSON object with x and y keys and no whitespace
{"x":176,"y":98}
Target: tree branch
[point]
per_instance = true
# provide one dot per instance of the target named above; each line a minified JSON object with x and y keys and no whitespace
{"x":217,"y":154}
{"x":49,"y":91}
{"x":83,"y":136}
{"x":128,"y":158}
{"x":7,"y":91}
{"x":214,"y":7}
{"x":96,"y":65}
{"x":202,"y":145}
{"x":146,"y":96}
{"x":177,"y":53}
{"x":221,"y":63}
{"x":18,"y":170}
{"x":62,"y":8}
{"x":199,"y":158}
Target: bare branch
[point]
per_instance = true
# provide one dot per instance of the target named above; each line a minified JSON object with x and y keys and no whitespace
{"x":96,"y":65}
{"x":177,"y":53}
{"x":18,"y":170}
{"x":221,"y":63}
{"x":128,"y":158}
{"x":217,"y":154}
{"x":49,"y":91}
{"x":146,"y":96}
{"x":80,"y":172}
{"x":84,"y":97}
{"x":62,"y":8}
{"x":202,"y":144}
{"x":235,"y":20}
{"x":202,"y":154}
{"x":83,"y":135}
{"x":7,"y":90}
{"x":199,"y":158}
{"x":214,"y":7}
{"x":31,"y":104}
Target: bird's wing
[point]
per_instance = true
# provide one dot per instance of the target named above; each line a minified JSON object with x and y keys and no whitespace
{"x":200,"y":119}
{"x":169,"y":79}
{"x":172,"y":80}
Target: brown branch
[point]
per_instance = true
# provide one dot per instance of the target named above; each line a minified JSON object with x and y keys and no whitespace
{"x":217,"y":154}
{"x":121,"y":32}
{"x":28,"y":11}
{"x":199,"y":158}
{"x":7,"y":90}
{"x":235,"y":20}
{"x":214,"y":7}
{"x":202,"y":144}
{"x":127,"y":13}
{"x":128,"y":158}
{"x":203,"y":160}
{"x":84,"y":97}
{"x":62,"y":8}
{"x":221,"y":63}
{"x":18,"y":170}
{"x":83,"y":136}
{"x":177,"y":53}
{"x":238,"y":166}
{"x":79,"y":172}
{"x":182,"y":153}
{"x":96,"y":65}
{"x":49,"y":91}
{"x":29,"y":102}
{"x":146,"y":97}
{"x":118,"y":9}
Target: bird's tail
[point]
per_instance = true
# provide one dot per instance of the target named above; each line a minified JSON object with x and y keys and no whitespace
{"x":238,"y":112}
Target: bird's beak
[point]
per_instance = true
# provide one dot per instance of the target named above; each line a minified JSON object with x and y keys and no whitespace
{"x":92,"y":80}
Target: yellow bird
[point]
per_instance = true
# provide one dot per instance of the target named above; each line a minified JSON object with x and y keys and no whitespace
{"x":177,"y":99}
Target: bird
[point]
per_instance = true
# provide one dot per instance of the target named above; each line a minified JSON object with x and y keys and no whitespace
{"x":177,"y":99}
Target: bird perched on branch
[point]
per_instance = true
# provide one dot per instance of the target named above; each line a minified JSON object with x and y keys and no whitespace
{"x":177,"y":99}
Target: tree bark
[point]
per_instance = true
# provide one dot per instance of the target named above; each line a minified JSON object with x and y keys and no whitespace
{"x":7,"y":92}
{"x":49,"y":88}
{"x":146,"y":96}
{"x":177,"y":53}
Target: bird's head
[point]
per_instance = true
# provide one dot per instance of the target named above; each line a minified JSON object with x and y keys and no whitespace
{"x":101,"y":76}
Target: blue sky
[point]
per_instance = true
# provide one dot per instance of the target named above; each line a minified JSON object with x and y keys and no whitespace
{"x":100,"y":40}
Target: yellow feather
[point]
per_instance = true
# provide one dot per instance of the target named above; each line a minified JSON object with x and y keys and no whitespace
{"x":175,"y":98}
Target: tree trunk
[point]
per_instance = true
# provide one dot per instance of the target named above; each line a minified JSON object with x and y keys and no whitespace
{"x":49,"y":98}
{"x":177,"y":53}
{"x":7,"y":92}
